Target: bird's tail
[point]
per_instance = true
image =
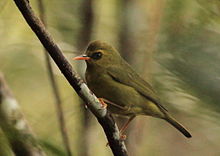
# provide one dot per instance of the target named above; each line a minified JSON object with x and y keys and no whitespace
{"x":178,"y":126}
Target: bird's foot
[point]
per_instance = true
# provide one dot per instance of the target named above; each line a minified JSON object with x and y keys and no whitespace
{"x":103,"y":104}
{"x":123,"y":137}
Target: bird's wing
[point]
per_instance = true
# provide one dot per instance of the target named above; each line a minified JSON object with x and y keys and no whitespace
{"x":132,"y":79}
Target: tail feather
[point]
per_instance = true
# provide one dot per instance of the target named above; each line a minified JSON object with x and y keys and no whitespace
{"x":178,"y":126}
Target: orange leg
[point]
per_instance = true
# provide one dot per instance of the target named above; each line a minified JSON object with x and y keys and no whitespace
{"x":103,"y":104}
{"x":115,"y":105}
{"x":124,"y":127}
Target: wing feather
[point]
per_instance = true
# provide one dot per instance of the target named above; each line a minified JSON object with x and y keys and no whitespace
{"x":132,"y":79}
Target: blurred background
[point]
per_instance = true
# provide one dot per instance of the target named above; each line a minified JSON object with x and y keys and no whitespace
{"x":173,"y":44}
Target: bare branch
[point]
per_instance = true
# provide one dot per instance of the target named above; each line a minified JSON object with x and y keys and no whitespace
{"x":104,"y":118}
{"x":83,"y":37}
{"x":58,"y":103}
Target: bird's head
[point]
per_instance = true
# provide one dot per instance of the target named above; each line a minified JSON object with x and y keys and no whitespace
{"x":99,"y":54}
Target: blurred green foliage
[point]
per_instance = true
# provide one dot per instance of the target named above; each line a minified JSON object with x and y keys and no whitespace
{"x":173,"y":43}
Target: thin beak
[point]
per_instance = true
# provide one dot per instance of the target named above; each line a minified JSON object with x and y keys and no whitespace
{"x":81,"y":57}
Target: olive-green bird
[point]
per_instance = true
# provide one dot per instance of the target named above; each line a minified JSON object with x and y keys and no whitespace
{"x":113,"y":80}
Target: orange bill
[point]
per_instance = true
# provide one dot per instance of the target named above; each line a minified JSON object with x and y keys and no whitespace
{"x":81,"y":57}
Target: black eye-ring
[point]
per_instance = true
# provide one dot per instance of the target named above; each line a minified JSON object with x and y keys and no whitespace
{"x":96,"y":55}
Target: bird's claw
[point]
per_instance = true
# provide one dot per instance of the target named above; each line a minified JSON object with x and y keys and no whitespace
{"x":123,"y":137}
{"x":103,"y":104}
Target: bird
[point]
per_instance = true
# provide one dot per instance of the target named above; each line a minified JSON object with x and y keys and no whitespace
{"x":121,"y":88}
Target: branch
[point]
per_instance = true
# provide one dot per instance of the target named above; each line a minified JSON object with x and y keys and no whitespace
{"x":16,"y":128}
{"x":86,"y":15}
{"x":104,"y":118}
{"x":58,"y":103}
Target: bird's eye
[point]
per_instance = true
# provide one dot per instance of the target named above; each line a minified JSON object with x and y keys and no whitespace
{"x":96,"y":55}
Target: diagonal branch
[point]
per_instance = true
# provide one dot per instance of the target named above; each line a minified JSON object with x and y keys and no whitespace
{"x":58,"y":103}
{"x":104,"y":118}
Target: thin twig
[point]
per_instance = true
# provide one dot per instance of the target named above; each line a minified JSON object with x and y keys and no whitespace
{"x":83,"y":38}
{"x":105,"y":119}
{"x":58,"y":103}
